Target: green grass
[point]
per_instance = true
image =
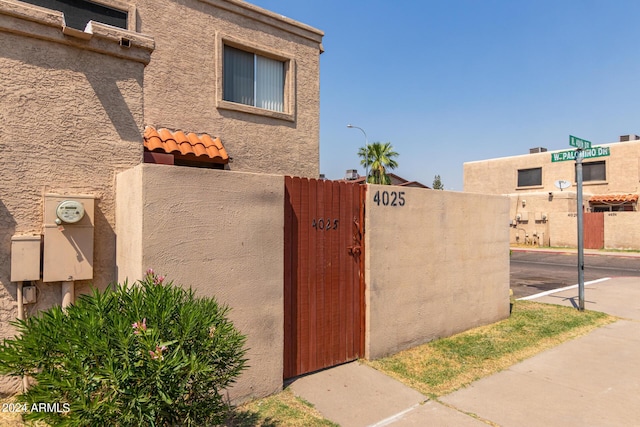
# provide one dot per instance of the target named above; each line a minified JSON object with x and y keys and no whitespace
{"x":282,"y":409}
{"x":439,"y":367}
{"x":445,"y":365}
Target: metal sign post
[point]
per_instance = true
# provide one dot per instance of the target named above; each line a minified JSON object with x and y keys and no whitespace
{"x":580,"y":231}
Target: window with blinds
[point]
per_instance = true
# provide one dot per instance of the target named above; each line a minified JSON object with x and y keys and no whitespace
{"x":252,"y":79}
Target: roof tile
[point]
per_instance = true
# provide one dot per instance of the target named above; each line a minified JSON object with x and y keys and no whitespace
{"x":614,"y":198}
{"x":164,"y":140}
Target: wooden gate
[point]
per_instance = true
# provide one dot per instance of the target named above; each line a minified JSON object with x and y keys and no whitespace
{"x":594,"y":230}
{"x":324,"y":274}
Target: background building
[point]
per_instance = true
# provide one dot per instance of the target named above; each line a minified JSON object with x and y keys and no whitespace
{"x":543,"y":214}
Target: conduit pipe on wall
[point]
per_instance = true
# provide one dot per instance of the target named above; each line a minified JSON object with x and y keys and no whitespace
{"x":67,"y":294}
{"x":19,"y":288}
{"x":20,"y":300}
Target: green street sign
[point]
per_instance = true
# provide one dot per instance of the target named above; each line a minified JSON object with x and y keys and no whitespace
{"x":589,"y":153}
{"x":579,"y":143}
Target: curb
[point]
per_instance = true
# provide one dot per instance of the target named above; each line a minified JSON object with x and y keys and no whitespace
{"x":570,"y":251}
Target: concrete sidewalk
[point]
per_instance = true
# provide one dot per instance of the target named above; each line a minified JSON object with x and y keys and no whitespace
{"x":355,"y":395}
{"x":590,"y":381}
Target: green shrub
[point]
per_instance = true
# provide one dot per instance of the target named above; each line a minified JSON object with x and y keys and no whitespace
{"x":151,"y":354}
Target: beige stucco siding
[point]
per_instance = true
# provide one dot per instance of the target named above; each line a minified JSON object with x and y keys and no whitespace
{"x":621,"y":230}
{"x":435,"y":266}
{"x":71,"y":118}
{"x":220,"y":233}
{"x":563,"y":229}
{"x":182,"y":83}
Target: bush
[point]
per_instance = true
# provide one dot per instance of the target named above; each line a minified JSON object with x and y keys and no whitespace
{"x":151,"y":354}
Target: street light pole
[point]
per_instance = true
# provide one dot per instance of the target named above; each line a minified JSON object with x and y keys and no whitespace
{"x":366,"y":150}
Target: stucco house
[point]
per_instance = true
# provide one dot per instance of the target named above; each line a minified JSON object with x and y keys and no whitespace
{"x":180,"y":136}
{"x":543,"y":213}
{"x":93,"y":88}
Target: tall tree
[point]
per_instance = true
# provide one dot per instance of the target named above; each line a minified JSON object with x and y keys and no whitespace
{"x":378,"y":157}
{"x":437,"y":183}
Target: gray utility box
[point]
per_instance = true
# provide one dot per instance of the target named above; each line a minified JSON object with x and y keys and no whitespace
{"x":68,"y":237}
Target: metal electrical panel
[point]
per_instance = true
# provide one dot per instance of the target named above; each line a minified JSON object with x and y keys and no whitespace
{"x":68,"y":237}
{"x":25,"y":258}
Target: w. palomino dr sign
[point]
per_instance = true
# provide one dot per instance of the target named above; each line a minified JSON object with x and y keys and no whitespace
{"x":588,"y":153}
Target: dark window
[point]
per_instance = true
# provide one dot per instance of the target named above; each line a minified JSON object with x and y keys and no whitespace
{"x":529,"y":177}
{"x":594,"y":171}
{"x":624,"y":207}
{"x":77,"y":13}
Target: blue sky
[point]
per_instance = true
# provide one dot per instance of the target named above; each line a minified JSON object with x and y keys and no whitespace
{"x":452,"y":81}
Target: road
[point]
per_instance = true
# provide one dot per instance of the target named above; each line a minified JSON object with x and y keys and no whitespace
{"x":534,"y":272}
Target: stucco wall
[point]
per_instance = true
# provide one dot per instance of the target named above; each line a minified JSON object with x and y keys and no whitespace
{"x":563,"y":229}
{"x":70,"y":118}
{"x":181,"y":82}
{"x":436,"y":266}
{"x":532,"y":208}
{"x":221,"y":233}
{"x":621,"y":230}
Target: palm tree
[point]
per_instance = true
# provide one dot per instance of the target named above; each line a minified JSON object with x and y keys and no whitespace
{"x":379,"y":156}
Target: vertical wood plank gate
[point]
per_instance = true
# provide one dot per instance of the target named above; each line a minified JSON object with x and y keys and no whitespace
{"x":324,"y":274}
{"x":593,"y":230}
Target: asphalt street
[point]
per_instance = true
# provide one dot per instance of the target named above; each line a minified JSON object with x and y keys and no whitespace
{"x":534,"y":272}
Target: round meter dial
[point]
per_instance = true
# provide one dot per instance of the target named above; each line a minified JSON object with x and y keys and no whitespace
{"x":70,"y":211}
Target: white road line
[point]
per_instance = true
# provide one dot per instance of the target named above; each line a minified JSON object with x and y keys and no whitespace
{"x":553,"y":291}
{"x":394,"y":418}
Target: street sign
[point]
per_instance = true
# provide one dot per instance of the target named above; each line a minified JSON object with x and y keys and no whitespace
{"x":579,"y":143}
{"x":589,"y":153}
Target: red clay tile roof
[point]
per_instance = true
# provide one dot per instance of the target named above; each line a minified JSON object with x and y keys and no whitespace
{"x":614,"y":198}
{"x":164,"y":140}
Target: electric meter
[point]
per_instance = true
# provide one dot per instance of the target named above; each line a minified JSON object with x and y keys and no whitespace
{"x":69,"y":211}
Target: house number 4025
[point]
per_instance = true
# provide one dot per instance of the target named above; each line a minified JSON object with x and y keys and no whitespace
{"x":389,"y":198}
{"x":325,"y":224}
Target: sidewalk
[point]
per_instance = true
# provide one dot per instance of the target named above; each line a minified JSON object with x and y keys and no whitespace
{"x":590,"y":381}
